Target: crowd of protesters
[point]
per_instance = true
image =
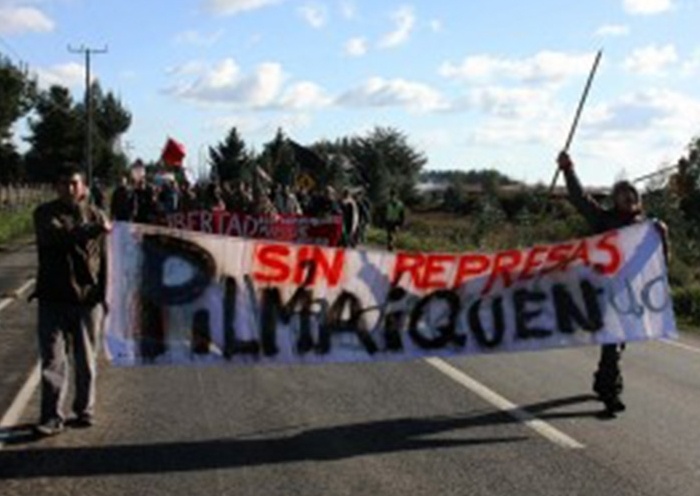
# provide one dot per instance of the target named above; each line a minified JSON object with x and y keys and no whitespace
{"x":151,"y":202}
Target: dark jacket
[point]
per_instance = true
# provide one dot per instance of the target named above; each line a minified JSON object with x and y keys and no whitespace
{"x":71,"y":244}
{"x":122,"y":205}
{"x":599,"y":218}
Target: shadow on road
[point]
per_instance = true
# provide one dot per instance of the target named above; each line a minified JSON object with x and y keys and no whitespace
{"x":540,"y":410}
{"x":321,"y":444}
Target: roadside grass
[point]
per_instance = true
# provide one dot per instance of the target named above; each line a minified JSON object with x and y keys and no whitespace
{"x":15,"y":224}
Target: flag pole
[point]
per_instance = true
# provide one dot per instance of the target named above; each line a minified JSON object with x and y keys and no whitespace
{"x":574,"y":125}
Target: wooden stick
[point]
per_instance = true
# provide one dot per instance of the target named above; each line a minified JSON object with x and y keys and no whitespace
{"x":653,"y":174}
{"x":574,"y":125}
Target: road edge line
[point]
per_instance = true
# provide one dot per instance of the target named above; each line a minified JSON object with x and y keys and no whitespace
{"x":16,"y":294}
{"x":21,"y":400}
{"x":543,"y":428}
{"x":19,"y":404}
{"x":681,"y":345}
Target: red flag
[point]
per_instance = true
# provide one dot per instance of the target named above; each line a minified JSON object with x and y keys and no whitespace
{"x":173,"y":153}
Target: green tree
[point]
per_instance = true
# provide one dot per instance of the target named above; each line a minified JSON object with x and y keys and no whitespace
{"x":400,"y":161}
{"x":331,"y":165}
{"x":11,"y":163}
{"x":279,"y":160}
{"x":229,"y":159}
{"x":488,"y":216}
{"x":17,"y":93}
{"x":111,"y":119}
{"x":688,"y":177}
{"x":454,"y":199}
{"x":56,"y":136}
{"x":372,"y":170}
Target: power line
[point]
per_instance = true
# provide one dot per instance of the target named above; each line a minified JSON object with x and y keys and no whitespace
{"x":88,"y":52}
{"x":11,"y":49}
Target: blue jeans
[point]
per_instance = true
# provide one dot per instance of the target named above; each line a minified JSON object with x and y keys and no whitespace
{"x":67,"y":329}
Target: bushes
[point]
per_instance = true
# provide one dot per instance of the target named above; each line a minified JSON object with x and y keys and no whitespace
{"x":686,"y":304}
{"x":15,"y":223}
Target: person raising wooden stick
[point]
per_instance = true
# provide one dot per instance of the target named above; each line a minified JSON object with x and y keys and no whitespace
{"x":626,"y":209}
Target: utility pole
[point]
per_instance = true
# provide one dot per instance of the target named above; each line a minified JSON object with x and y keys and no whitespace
{"x":87,"y":51}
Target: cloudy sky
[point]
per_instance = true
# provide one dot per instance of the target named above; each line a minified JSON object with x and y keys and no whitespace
{"x":473,"y":84}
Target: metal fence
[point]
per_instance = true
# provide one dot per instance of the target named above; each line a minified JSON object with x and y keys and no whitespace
{"x":18,"y":196}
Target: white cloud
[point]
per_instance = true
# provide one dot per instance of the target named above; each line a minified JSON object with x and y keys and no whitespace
{"x":348,"y":9}
{"x":356,"y":47}
{"x":637,"y":111}
{"x":379,"y":92}
{"x":692,"y":65}
{"x":304,"y":95}
{"x":647,"y":7}
{"x":314,"y":15}
{"x":651,"y":109}
{"x":435,"y":137}
{"x":194,"y":37}
{"x":546,"y":66}
{"x":520,"y":103}
{"x":71,"y":75}
{"x":225,"y":83}
{"x":232,"y":7}
{"x":188,"y":68}
{"x":642,"y":130}
{"x":499,"y":131}
{"x":651,"y":60}
{"x":435,"y":25}
{"x":404,"y":20}
{"x":517,"y":116}
{"x":17,"y":20}
{"x":613,"y":30}
{"x":128,"y":75}
{"x":255,"y":125}
{"x":261,"y":87}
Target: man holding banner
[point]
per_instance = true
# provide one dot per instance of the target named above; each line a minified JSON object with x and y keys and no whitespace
{"x":626,"y":210}
{"x":70,"y":286}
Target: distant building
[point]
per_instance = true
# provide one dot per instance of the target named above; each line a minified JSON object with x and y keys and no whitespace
{"x":431,"y":189}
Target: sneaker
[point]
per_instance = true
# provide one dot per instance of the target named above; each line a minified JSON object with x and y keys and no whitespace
{"x":82,"y":421}
{"x":606,"y":414}
{"x":50,"y":427}
{"x":612,"y":408}
{"x":616,"y":405}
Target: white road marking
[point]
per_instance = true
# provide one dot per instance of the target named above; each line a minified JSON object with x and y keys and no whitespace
{"x":6,"y":302}
{"x":540,"y":426}
{"x":19,"y":404}
{"x":25,"y":287}
{"x":678,"y":344}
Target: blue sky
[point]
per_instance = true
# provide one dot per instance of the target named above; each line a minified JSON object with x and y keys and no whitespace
{"x":473,"y":84}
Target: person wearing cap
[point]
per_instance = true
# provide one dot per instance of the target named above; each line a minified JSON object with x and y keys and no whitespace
{"x":626,"y":209}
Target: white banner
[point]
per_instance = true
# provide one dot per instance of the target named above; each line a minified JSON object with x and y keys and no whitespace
{"x":183,"y":297}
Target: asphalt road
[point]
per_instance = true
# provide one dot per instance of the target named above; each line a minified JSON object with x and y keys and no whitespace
{"x":385,"y":428}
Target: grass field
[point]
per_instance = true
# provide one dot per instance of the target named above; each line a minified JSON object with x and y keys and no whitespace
{"x":15,"y":224}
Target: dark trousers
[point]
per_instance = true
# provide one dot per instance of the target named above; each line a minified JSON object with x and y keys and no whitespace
{"x":391,"y":230}
{"x":607,"y":381}
{"x":64,"y":330}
